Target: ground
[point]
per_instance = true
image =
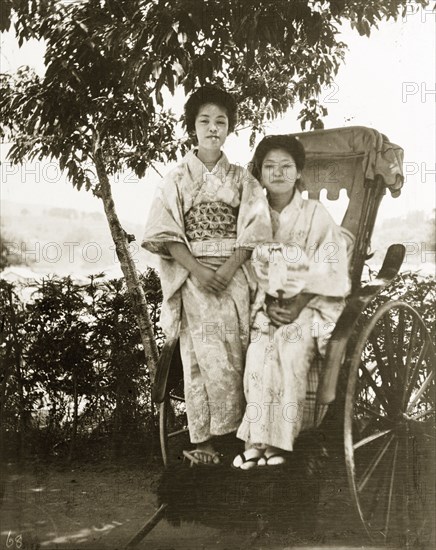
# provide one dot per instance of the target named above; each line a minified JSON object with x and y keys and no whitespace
{"x":101,"y":506}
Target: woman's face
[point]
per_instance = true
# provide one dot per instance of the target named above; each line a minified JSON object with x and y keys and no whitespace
{"x":211,"y":127}
{"x":279,"y":172}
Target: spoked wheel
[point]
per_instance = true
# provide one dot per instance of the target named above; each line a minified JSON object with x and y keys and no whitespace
{"x":173,"y":422}
{"x":389,"y":429}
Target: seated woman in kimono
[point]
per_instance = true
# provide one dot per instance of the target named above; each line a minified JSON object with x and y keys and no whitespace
{"x":205,"y":220}
{"x":303,"y":279}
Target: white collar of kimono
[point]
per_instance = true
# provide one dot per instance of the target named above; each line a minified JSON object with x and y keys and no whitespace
{"x":199,"y":170}
{"x":295,"y":204}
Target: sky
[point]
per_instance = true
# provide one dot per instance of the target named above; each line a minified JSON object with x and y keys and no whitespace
{"x":387,"y":83}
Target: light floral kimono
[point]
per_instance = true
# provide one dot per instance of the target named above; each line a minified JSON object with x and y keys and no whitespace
{"x":213,"y":213}
{"x":309,"y":254}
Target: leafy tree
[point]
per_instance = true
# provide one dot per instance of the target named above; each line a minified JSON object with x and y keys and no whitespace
{"x":14,"y":413}
{"x":115,"y":339}
{"x":100,"y":106}
{"x":59,"y":360}
{"x":8,"y":249}
{"x":417,"y":290}
{"x":4,"y":254}
{"x":72,"y":365}
{"x":431,"y":232}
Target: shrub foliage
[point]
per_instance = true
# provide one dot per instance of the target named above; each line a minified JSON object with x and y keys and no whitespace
{"x":73,"y":367}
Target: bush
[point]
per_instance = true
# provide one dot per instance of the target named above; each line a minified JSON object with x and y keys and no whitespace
{"x":73,"y":365}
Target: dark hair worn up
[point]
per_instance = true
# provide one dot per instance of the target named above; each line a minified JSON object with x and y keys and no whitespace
{"x":288,"y":143}
{"x":210,"y":94}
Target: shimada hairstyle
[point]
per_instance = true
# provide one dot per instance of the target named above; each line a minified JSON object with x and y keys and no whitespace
{"x":288,"y":143}
{"x":210,"y":94}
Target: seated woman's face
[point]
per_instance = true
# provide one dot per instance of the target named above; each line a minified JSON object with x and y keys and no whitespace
{"x":211,"y":126}
{"x":279,"y":172}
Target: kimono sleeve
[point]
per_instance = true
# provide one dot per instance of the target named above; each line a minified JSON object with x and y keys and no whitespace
{"x":328,"y":252}
{"x":165,"y":222}
{"x":254,"y":222}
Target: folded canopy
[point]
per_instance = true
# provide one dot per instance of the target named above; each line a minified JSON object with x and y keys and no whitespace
{"x":348,"y":155}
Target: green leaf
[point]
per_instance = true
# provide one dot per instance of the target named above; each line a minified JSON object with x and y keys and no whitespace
{"x":5,"y":15}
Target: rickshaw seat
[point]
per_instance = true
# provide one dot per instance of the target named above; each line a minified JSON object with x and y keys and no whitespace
{"x":364,"y":163}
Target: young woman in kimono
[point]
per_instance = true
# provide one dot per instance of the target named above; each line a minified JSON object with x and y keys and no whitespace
{"x":205,"y":220}
{"x":303,"y":279}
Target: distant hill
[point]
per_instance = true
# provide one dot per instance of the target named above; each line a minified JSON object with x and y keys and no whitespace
{"x":416,"y":231}
{"x":62,"y":240}
{"x":65,"y":240}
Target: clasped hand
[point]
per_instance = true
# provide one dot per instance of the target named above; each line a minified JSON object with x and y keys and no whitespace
{"x":214,"y":281}
{"x":281,"y":315}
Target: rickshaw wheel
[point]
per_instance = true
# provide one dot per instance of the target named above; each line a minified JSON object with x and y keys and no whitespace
{"x":389,"y":426}
{"x":173,"y":422}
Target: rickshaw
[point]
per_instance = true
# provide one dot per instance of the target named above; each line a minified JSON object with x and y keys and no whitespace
{"x":379,"y":369}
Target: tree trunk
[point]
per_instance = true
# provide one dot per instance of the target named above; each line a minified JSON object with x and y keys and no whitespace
{"x":134,"y":286}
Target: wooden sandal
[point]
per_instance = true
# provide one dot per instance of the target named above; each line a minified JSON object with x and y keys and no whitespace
{"x":266,"y":460}
{"x":192,"y":456}
{"x":245,"y":460}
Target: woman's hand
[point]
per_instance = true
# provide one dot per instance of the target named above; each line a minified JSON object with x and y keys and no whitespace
{"x":208,"y":279}
{"x":224,"y":274}
{"x":282,"y":316}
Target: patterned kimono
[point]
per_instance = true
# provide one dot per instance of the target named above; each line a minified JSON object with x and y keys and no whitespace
{"x":310,"y":254}
{"x":213,"y":214}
